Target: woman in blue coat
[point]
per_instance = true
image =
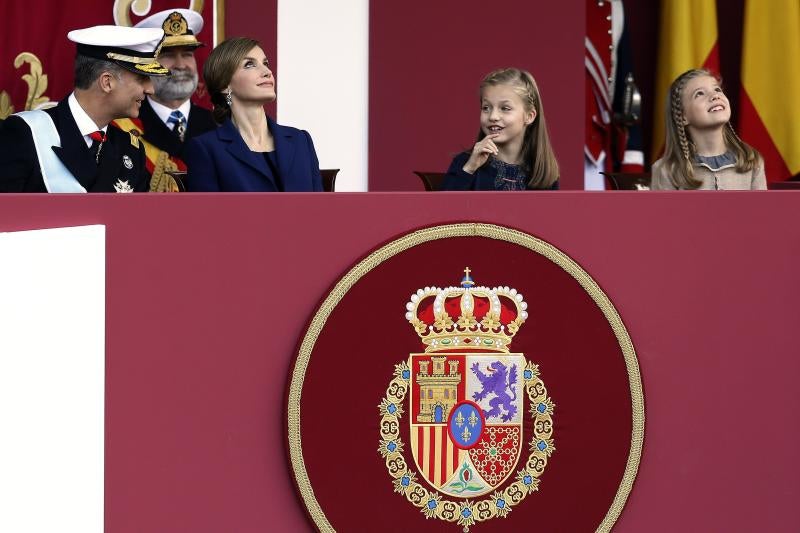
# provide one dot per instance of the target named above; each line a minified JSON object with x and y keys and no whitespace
{"x":249,"y":152}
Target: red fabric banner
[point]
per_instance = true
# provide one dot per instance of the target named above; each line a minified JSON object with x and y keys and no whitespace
{"x":36,"y":58}
{"x":770,"y":55}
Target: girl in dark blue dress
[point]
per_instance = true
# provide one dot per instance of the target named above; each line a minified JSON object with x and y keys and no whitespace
{"x":513,"y":150}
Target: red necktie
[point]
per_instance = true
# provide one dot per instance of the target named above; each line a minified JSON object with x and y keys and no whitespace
{"x":98,"y":138}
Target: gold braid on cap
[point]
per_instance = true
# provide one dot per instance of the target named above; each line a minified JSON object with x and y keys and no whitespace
{"x":152,"y":68}
{"x":129,"y":59}
{"x":149,"y":60}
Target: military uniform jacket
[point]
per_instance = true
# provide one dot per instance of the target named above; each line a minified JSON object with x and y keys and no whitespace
{"x":19,"y":165}
{"x":159,"y":138}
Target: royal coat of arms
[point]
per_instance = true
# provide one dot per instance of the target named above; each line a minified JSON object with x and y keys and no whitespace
{"x":479,"y":417}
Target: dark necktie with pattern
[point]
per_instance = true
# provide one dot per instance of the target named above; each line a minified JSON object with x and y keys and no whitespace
{"x":178,"y":121}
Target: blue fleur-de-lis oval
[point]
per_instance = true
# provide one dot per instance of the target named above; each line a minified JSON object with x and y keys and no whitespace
{"x":466,"y":424}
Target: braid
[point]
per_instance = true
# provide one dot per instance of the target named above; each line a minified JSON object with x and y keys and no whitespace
{"x":677,"y":117}
{"x":685,"y":168}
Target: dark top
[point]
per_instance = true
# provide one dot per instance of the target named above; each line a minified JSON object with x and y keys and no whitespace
{"x":19,"y":164}
{"x":272,"y":163}
{"x":494,"y":175}
{"x":221,"y":161}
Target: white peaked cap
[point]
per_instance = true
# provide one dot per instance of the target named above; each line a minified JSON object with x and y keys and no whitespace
{"x":135,"y":39}
{"x":132,"y":48}
{"x":181,"y":26}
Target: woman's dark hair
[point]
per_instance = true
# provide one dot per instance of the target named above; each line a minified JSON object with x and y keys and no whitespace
{"x":220,"y":67}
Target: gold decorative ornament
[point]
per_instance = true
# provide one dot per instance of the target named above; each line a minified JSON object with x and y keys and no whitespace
{"x":37,"y":85}
{"x":152,"y":68}
{"x":148,"y":65}
{"x":175,"y":24}
{"x":130,"y":59}
{"x":6,"y":108}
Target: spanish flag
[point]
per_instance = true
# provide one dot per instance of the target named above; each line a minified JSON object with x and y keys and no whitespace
{"x":769,"y":109}
{"x":688,"y":40}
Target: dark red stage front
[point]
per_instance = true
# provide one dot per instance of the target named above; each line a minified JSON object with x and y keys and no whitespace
{"x":220,"y":288}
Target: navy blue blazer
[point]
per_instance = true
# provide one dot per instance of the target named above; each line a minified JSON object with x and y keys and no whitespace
{"x":221,"y":161}
{"x":483,"y":179}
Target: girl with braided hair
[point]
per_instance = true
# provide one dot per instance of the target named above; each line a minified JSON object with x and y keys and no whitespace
{"x":513,"y":150}
{"x":702,"y":151}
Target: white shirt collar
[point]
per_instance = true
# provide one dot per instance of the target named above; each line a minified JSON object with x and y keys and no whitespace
{"x":85,"y":124}
{"x":163,"y":111}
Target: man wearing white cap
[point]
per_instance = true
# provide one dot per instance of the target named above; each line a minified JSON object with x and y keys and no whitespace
{"x":168,"y":118}
{"x":71,"y":148}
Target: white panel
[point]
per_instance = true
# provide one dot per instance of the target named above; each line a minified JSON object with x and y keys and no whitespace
{"x":52,"y":380}
{"x":323,"y":81}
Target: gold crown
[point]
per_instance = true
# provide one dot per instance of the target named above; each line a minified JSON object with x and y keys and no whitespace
{"x":466,"y":317}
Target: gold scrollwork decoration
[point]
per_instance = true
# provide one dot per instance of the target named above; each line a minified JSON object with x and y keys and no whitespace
{"x":124,"y":8}
{"x":6,"y":108}
{"x":36,"y":80}
{"x":37,"y":85}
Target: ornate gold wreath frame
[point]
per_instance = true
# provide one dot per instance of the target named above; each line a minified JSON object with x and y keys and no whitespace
{"x":490,"y":231}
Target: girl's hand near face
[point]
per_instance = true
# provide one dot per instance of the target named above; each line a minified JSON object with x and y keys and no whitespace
{"x":480,"y":153}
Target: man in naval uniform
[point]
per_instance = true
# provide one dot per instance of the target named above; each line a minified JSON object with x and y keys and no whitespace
{"x":168,"y":117}
{"x":72,"y":147}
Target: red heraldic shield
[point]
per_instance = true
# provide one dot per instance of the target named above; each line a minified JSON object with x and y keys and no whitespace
{"x":467,"y":413}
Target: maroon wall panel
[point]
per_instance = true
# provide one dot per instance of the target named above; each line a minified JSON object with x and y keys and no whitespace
{"x":258,"y":20}
{"x":427,"y":60}
{"x":208,"y":295}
